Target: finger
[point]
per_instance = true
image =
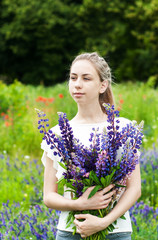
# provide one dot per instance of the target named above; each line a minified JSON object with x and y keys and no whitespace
{"x":83,"y":235}
{"x":105,"y":204}
{"x":81,"y":216}
{"x":90,"y":189}
{"x":107,"y":201}
{"x":108,"y":188}
{"x":76,"y":222}
{"x":78,"y":230}
{"x":109,"y":195}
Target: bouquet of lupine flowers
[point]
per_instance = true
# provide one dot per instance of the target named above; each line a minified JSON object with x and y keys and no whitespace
{"x":110,"y":158}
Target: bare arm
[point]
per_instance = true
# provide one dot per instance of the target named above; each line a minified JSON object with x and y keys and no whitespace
{"x":94,"y":224}
{"x":54,"y":200}
{"x":130,"y":196}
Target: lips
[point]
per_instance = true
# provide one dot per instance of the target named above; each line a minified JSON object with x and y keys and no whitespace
{"x":78,"y":94}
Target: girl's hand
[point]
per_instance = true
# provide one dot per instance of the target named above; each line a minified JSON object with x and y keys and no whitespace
{"x":89,"y":226}
{"x":100,"y":200}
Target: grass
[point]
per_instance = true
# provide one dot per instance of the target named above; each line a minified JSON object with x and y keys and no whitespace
{"x":23,"y":215}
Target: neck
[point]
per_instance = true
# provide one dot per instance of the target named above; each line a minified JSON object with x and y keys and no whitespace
{"x":89,"y":114}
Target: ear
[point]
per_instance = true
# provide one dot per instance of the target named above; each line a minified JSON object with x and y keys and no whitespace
{"x":104,"y":86}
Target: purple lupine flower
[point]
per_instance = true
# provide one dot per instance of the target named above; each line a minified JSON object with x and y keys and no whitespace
{"x":3,"y":220}
{"x":101,"y":157}
{"x":31,"y":228}
{"x":38,"y":209}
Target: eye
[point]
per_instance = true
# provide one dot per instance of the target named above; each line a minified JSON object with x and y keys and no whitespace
{"x":86,"y":79}
{"x":73,"y":78}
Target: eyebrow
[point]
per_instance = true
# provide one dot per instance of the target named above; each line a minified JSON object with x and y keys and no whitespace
{"x":85,"y":74}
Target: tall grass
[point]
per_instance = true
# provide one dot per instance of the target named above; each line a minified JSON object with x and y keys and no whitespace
{"x":18,"y":120}
{"x":22,"y":213}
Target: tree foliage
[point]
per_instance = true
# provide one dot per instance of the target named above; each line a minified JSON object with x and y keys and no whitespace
{"x":38,"y":39}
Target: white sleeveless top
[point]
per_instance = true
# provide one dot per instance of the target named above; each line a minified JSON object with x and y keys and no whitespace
{"x":82,"y":132}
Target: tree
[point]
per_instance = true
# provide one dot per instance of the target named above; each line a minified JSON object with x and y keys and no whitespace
{"x":38,"y":39}
{"x":125,"y":32}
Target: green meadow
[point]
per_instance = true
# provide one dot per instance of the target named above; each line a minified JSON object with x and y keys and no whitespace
{"x":23,"y":214}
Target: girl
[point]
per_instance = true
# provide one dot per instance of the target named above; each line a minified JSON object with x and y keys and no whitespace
{"x":89,"y":86}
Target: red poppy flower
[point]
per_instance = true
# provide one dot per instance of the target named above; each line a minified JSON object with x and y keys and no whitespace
{"x":50,"y":99}
{"x":38,"y":99}
{"x":7,"y":124}
{"x":121,"y":101}
{"x":44,"y":99}
{"x":6,"y":117}
{"x":61,"y":95}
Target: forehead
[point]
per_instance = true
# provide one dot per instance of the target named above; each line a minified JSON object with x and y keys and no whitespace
{"x":82,"y":67}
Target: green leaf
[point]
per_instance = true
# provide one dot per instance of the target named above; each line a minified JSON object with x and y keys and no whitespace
{"x":123,"y":217}
{"x":95,"y":178}
{"x":87,"y":182}
{"x":119,"y":185}
{"x":112,"y":174}
{"x":103,"y":181}
{"x":62,"y":165}
{"x":70,"y":190}
{"x":103,"y":234}
{"x":115,"y":222}
{"x":93,"y":192}
{"x":69,"y":224}
{"x":69,"y":185}
{"x":62,"y":180}
{"x":70,"y":219}
{"x":114,"y":204}
{"x":85,"y":188}
{"x":74,"y":228}
{"x":111,"y":227}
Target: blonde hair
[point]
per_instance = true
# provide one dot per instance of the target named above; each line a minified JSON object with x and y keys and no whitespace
{"x":104,"y":73}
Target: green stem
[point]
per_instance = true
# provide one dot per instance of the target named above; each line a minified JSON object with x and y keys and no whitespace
{"x":100,"y":213}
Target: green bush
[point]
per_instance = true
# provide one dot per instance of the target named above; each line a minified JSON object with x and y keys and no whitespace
{"x":38,"y":39}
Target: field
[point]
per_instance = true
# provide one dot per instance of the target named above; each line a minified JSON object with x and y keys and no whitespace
{"x":23,"y":214}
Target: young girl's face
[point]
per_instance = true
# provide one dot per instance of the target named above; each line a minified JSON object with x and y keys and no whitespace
{"x":84,"y":84}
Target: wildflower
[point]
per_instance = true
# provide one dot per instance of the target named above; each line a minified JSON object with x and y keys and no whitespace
{"x":61,"y":95}
{"x":6,"y":117}
{"x":7,"y":124}
{"x":44,"y":99}
{"x":2,"y":114}
{"x":121,"y":101}
{"x":51,"y":100}
{"x":38,"y":99}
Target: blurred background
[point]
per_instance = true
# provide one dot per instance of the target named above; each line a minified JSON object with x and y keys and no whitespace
{"x":38,"y":41}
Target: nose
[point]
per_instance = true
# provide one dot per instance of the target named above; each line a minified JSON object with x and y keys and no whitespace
{"x":78,"y":83}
